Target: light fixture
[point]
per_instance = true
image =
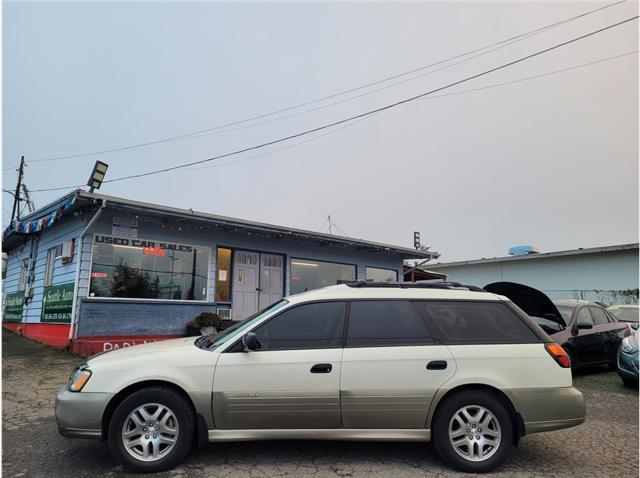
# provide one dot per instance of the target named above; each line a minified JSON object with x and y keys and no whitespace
{"x":306,"y":264}
{"x":97,"y":175}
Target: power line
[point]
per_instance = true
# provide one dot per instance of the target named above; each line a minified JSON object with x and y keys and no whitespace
{"x":490,"y":48}
{"x":361,"y":115}
{"x":461,"y":92}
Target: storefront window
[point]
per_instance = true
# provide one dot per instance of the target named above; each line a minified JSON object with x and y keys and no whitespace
{"x":376,"y":274}
{"x":143,"y":269}
{"x":308,"y":275}
{"x":223,"y":275}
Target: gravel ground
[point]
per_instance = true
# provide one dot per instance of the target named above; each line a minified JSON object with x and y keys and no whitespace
{"x":605,"y":445}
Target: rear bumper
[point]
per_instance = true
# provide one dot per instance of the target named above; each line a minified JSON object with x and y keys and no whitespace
{"x":79,"y":414}
{"x":545,"y":409}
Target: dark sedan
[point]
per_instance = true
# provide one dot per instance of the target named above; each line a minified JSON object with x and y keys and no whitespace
{"x":589,"y":334}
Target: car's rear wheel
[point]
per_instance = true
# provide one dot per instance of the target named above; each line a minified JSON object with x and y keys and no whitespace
{"x":151,"y":430}
{"x":473,"y":431}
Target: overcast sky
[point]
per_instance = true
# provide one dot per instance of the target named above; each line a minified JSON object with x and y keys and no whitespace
{"x":551,"y":161}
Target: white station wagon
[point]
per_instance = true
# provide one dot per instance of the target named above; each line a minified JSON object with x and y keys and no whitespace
{"x":452,"y":364}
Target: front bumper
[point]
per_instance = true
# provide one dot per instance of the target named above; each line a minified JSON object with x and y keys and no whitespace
{"x":79,"y":414}
{"x":546,"y":409}
{"x":627,"y":365}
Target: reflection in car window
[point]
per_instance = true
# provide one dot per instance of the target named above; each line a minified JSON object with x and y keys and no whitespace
{"x":210,"y":342}
{"x":584,"y":316}
{"x":566,"y":312}
{"x":385,"y":323}
{"x":478,"y":322}
{"x":309,"y":326}
{"x":599,"y":317}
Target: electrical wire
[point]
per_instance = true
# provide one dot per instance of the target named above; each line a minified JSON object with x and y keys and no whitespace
{"x":228,"y":126}
{"x":361,"y":115}
{"x":461,"y":92}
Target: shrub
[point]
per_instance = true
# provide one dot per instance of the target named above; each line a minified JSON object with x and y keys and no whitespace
{"x":208,"y":319}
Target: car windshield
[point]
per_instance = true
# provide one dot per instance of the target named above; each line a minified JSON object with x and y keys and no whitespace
{"x":210,"y":342}
{"x":626,"y":314}
{"x":566,"y":312}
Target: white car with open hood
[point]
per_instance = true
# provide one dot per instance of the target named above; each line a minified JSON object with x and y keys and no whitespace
{"x":453,"y":364}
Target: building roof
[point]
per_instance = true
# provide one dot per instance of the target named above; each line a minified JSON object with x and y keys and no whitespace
{"x":85,"y":199}
{"x":540,"y":255}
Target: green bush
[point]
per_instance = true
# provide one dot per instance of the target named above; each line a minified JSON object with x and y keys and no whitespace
{"x":208,"y":319}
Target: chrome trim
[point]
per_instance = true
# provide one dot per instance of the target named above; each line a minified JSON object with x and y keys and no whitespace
{"x":321,"y":434}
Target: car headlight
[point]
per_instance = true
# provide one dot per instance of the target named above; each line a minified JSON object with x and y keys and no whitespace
{"x":628,"y":347}
{"x":78,"y":379}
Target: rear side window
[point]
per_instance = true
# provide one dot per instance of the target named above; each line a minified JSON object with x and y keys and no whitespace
{"x":309,"y":326}
{"x":476,"y":322}
{"x":599,"y":317}
{"x":584,"y":316}
{"x":376,"y":323}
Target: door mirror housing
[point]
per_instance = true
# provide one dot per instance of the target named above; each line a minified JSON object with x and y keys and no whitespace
{"x":634,"y":325}
{"x":250,"y":341}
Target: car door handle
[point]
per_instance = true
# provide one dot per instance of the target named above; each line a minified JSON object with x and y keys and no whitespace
{"x":437,"y":365}
{"x":321,"y":368}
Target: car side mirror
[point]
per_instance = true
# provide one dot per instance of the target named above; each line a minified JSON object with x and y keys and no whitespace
{"x":250,"y":341}
{"x":634,"y":325}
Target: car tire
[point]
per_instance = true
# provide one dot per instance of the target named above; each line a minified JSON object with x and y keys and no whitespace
{"x":630,"y":382}
{"x":161,"y":440}
{"x":447,"y":420}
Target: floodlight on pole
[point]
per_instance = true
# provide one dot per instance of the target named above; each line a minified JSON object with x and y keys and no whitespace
{"x":97,"y":175}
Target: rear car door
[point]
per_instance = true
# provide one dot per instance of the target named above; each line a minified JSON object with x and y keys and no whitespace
{"x":391,"y":366}
{"x":611,"y":332}
{"x":292,"y":380}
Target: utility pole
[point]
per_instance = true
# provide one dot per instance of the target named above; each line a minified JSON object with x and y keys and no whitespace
{"x":16,"y":197}
{"x":27,"y":197}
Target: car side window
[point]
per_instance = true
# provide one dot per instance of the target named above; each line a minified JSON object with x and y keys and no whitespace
{"x":599,"y":317}
{"x":475,"y":322}
{"x":584,"y":316}
{"x":307,"y":326}
{"x":385,"y":323}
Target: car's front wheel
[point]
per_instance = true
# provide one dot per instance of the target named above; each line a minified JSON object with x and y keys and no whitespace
{"x":473,"y":431}
{"x":151,"y":430}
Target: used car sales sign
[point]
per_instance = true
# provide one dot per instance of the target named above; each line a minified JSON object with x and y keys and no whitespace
{"x":143,"y":244}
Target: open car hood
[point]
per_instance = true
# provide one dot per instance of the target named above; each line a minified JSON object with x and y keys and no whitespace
{"x":532,"y":301}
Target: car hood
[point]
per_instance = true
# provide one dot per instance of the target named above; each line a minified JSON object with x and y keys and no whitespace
{"x":149,"y":350}
{"x":532,"y":301}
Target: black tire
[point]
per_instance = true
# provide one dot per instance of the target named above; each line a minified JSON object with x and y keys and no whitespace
{"x":630,"y":382}
{"x":440,"y":430}
{"x":184,"y":415}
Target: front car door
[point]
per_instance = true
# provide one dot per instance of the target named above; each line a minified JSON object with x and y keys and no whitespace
{"x":292,"y":380}
{"x":587,"y":344}
{"x":391,"y":367}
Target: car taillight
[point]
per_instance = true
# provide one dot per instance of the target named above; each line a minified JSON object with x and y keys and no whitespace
{"x":559,"y":355}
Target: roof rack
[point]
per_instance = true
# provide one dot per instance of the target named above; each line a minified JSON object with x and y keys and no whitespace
{"x":416,"y":285}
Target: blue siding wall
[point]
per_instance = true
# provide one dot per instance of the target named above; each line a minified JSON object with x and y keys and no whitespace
{"x":101,"y":317}
{"x":68,"y":228}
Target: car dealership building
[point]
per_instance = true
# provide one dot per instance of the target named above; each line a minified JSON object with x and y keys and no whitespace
{"x":95,"y":272}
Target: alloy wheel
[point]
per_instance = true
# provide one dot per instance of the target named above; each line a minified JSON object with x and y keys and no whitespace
{"x":150,"y":432}
{"x":474,"y":433}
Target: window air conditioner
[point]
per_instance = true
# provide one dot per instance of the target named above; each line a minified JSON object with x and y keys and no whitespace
{"x":66,"y":256}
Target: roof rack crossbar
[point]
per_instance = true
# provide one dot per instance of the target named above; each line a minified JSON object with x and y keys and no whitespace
{"x":416,"y":285}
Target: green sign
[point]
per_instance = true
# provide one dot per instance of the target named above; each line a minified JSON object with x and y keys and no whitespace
{"x":57,"y":303}
{"x":13,"y":307}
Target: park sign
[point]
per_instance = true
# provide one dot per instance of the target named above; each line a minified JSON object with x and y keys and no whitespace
{"x":13,"y":304}
{"x":57,"y":303}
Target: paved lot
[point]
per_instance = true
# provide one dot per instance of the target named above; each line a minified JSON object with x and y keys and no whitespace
{"x":606,"y":445}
